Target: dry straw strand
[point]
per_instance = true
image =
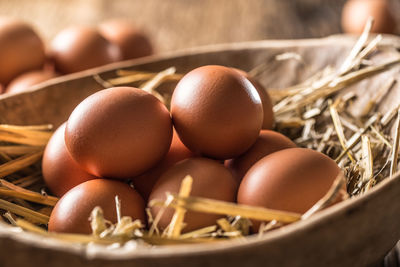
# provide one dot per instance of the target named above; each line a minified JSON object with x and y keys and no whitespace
{"x":153,"y":83}
{"x":24,"y":212}
{"x":199,"y":232}
{"x":225,"y":225}
{"x":75,"y":238}
{"x":227,"y":208}
{"x":329,"y":197}
{"x":179,"y":215}
{"x":367,"y":159}
{"x":31,"y":196}
{"x":395,"y":150}
{"x":19,"y":163}
{"x":348,"y":63}
{"x":339,"y":130}
{"x":26,"y":132}
{"x":18,"y":150}
{"x":40,"y":127}
{"x":129,"y":76}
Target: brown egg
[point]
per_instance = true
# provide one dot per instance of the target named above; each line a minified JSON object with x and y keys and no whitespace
{"x":267,"y":143}
{"x":290,"y":180}
{"x":25,"y":81}
{"x":79,"y":48}
{"x":60,"y":171}
{"x":21,"y":49}
{"x":216,"y":112}
{"x":119,"y":132}
{"x":132,"y":42}
{"x":355,"y":14}
{"x":71,"y":213}
{"x":210,"y":180}
{"x":266,"y":101}
{"x":178,"y":151}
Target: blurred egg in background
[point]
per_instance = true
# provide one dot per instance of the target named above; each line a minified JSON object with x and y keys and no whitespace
{"x":356,"y":13}
{"x":178,"y":24}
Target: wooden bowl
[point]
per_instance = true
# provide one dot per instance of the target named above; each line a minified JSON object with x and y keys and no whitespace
{"x":356,"y":232}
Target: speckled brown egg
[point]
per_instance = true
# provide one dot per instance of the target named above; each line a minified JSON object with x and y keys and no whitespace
{"x":25,"y":81}
{"x":267,"y":143}
{"x":217,"y":112}
{"x":60,"y":171}
{"x":119,"y":132}
{"x":79,"y":48}
{"x":268,"y":121}
{"x":290,"y":180}
{"x":178,"y":151}
{"x":210,"y":180}
{"x":21,"y":49}
{"x":71,"y":213}
{"x":355,"y":14}
{"x":132,"y":42}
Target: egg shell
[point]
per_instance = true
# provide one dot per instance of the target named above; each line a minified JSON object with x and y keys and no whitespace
{"x":210,"y":180}
{"x":60,"y":171}
{"x":119,"y":132}
{"x":21,"y":49}
{"x":269,"y":120}
{"x":178,"y":151}
{"x":267,"y":143}
{"x":25,"y":81}
{"x":132,"y":42}
{"x":216,"y":112}
{"x":355,"y":14}
{"x":289,"y":180}
{"x":79,"y":48}
{"x":71,"y":213}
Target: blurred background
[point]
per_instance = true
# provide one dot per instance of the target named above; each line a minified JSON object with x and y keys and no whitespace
{"x":178,"y":24}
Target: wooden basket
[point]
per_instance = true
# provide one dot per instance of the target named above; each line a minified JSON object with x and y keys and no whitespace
{"x":356,"y":232}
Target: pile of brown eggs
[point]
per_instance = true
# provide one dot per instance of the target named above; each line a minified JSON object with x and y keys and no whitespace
{"x":218,"y":131}
{"x":355,"y":14}
{"x":26,"y":61}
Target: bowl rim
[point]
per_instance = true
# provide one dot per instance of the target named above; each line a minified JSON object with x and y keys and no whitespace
{"x":348,"y":39}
